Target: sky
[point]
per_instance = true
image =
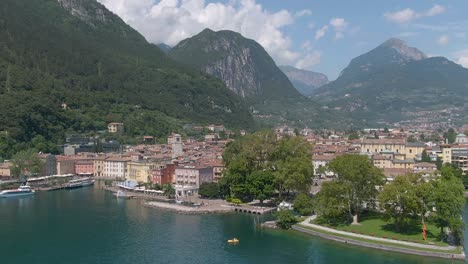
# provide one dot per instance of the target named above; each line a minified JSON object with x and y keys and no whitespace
{"x":321,"y":36}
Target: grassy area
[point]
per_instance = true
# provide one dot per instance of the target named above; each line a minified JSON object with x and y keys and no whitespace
{"x":455,"y":251}
{"x":375,"y":225}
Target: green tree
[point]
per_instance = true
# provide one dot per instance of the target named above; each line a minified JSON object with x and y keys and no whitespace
{"x":260,"y":163}
{"x":448,"y":201}
{"x":450,"y":135}
{"x":330,"y":203}
{"x":209,"y":190}
{"x":26,"y":163}
{"x":168,"y":190}
{"x":425,"y":157}
{"x":359,"y":178}
{"x":405,"y":198}
{"x":303,"y":204}
{"x":285,"y":219}
{"x":439,"y":163}
{"x":354,"y":135}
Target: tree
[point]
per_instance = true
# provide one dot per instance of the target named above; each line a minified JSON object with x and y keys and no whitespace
{"x":359,"y":178}
{"x":330,"y":202}
{"x":354,"y":135}
{"x":425,"y":157}
{"x":439,"y":163}
{"x":26,"y":163}
{"x":209,"y":190}
{"x":404,"y":198}
{"x":168,"y":190}
{"x":411,"y":139}
{"x":303,"y":204}
{"x":450,"y":135}
{"x":260,"y":163}
{"x":285,"y":219}
{"x":448,"y":201}
{"x":386,"y":130}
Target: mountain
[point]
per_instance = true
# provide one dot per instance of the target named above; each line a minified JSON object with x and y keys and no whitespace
{"x":395,"y":82}
{"x":304,"y":81}
{"x":164,"y":47}
{"x":71,"y":66}
{"x":242,"y":64}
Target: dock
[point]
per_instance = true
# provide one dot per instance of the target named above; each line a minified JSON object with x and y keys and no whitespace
{"x":253,"y":209}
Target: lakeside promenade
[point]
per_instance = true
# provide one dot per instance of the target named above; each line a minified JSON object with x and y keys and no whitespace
{"x":381,"y":243}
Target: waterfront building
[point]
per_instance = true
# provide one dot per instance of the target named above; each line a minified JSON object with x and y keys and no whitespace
{"x":65,"y":165}
{"x":84,"y":167}
{"x":140,"y":171}
{"x":98,"y":165}
{"x":5,"y":171}
{"x":163,"y":174}
{"x":115,"y":167}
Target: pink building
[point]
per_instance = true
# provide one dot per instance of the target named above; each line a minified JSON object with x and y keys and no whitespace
{"x":84,"y":167}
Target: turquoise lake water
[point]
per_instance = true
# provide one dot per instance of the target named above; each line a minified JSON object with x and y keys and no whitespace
{"x":90,"y":226}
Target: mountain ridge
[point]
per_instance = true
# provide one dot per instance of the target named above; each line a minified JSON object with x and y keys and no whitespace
{"x":306,"y":82}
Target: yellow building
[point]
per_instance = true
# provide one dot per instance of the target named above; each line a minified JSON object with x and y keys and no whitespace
{"x":140,"y":171}
{"x":398,"y":146}
{"x":99,"y":166}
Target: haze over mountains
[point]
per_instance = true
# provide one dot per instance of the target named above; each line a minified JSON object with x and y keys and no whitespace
{"x":306,"y":82}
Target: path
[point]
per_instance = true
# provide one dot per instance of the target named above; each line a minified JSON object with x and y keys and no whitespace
{"x":307,"y":221}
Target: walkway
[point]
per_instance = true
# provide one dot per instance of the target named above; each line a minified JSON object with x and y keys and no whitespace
{"x":307,"y":221}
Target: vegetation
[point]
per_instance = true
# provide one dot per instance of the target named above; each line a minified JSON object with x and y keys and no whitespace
{"x":26,"y":163}
{"x":260,"y":164}
{"x":353,"y":190}
{"x":168,"y":190}
{"x":285,"y":219}
{"x":209,"y":190}
{"x":102,"y":71}
{"x":303,"y":204}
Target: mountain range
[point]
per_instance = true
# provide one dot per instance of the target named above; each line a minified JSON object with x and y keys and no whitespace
{"x":71,"y":66}
{"x":393,"y":80}
{"x":306,"y":82}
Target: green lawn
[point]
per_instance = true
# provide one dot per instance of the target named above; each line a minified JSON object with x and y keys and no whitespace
{"x":455,"y":251}
{"x":375,"y":225}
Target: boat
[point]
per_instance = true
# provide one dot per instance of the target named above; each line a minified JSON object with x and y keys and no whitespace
{"x":79,"y":183}
{"x":23,"y":190}
{"x":233,"y":241}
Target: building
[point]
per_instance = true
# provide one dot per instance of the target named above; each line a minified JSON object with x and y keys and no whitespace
{"x":115,"y":128}
{"x":84,"y":167}
{"x":177,"y":150}
{"x":321,"y":161}
{"x":461,"y":139}
{"x":65,"y":165}
{"x":140,"y":171}
{"x":425,"y":168}
{"x":115,"y":167}
{"x":5,"y":171}
{"x":459,"y":158}
{"x":163,"y":174}
{"x":50,"y":165}
{"x":98,"y":165}
{"x":397,"y":146}
{"x":193,"y":175}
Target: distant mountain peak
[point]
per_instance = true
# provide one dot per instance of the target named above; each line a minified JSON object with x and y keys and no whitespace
{"x":409,"y":53}
{"x":306,"y":82}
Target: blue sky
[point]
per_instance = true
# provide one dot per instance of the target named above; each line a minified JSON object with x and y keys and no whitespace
{"x":322,"y":36}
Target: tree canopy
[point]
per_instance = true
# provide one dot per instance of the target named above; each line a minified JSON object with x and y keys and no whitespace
{"x":260,"y":164}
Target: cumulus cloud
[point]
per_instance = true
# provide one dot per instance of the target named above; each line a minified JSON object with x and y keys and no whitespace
{"x":303,"y":12}
{"x":443,"y":40}
{"x":339,"y":24}
{"x":309,"y":60}
{"x":170,"y":21}
{"x":407,"y":15}
{"x":462,"y":57}
{"x":321,"y":32}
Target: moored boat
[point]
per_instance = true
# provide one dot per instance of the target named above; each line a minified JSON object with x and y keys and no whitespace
{"x":79,"y":183}
{"x":23,"y":190}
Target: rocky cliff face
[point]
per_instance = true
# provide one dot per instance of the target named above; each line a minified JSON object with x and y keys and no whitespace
{"x":242,"y":64}
{"x":304,"y":81}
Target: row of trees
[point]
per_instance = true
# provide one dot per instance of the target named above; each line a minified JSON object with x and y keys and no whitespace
{"x":407,"y":199}
{"x":261,"y":165}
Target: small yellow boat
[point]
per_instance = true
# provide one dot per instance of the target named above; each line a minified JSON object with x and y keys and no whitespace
{"x":233,"y":241}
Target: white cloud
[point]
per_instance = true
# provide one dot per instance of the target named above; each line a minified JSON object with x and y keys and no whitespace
{"x":407,"y":15}
{"x":309,"y":60}
{"x":321,"y":32}
{"x":339,"y":24}
{"x":339,"y":35}
{"x":170,"y":21}
{"x":311,"y":25}
{"x":461,"y":57}
{"x":443,"y":40}
{"x":303,"y":12}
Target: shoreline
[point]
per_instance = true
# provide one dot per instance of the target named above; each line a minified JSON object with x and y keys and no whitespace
{"x":365,"y":241}
{"x":208,"y":209}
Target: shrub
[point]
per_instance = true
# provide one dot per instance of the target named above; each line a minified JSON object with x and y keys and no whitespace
{"x":285,"y":219}
{"x":303,"y":204}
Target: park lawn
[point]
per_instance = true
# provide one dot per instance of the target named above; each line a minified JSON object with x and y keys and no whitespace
{"x":457,"y":250}
{"x":375,"y":225}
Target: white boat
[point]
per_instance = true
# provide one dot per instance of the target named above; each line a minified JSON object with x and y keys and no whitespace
{"x":80,"y":183}
{"x":121,"y":194}
{"x":21,"y":191}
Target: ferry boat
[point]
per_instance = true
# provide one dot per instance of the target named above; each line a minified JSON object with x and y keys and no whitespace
{"x":79,"y":183}
{"x":23,"y":190}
